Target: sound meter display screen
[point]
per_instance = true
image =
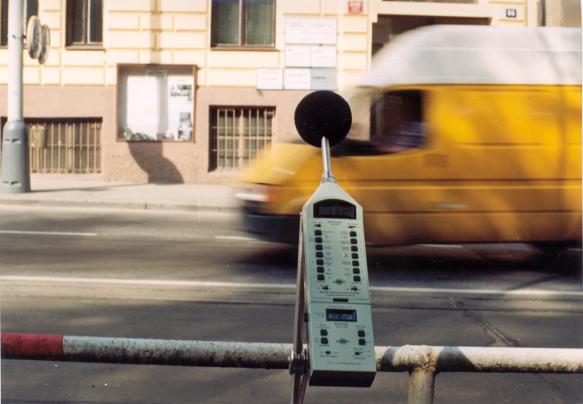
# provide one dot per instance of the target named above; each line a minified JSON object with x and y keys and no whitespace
{"x":334,"y":209}
{"x":340,"y":315}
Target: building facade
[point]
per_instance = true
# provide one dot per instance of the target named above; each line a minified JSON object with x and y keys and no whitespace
{"x":190,"y":90}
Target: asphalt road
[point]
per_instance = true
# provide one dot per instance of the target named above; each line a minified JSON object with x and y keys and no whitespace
{"x":198,"y":276}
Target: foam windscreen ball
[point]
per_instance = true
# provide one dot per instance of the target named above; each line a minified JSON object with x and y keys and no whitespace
{"x":323,"y":113}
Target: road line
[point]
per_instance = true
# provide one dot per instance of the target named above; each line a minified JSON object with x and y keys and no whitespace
{"x":241,"y":238}
{"x":441,"y":245}
{"x":47,"y":233}
{"x":147,"y":282}
{"x":282,"y":286}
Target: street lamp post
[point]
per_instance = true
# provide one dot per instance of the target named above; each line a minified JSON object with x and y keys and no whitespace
{"x":15,"y":170}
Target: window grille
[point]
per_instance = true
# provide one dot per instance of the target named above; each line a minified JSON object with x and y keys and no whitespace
{"x":238,"y":134}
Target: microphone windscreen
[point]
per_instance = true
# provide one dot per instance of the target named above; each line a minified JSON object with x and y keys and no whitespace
{"x":323,"y":113}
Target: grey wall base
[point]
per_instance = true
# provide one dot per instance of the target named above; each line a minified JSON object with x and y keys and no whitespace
{"x":15,"y":170}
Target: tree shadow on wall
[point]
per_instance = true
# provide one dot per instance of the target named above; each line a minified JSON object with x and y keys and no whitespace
{"x":150,"y":158}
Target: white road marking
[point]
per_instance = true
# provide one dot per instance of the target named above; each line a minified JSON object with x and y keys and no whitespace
{"x":441,"y":245}
{"x":283,"y":286}
{"x":47,"y":233}
{"x":240,"y":238}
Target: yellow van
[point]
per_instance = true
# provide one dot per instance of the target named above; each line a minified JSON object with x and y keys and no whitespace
{"x":460,"y":134}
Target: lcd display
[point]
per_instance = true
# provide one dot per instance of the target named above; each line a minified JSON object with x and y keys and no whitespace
{"x":334,"y":209}
{"x":340,"y":315}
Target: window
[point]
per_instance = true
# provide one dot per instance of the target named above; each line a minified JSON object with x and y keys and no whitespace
{"x":84,"y":22}
{"x":30,"y":9}
{"x":440,"y":1}
{"x":396,"y":121}
{"x":243,"y":23}
{"x":237,"y":134}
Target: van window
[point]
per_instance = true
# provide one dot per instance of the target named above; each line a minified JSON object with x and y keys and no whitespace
{"x":396,"y":121}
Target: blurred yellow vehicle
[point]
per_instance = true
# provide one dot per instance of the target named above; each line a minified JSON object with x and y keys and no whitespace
{"x":460,"y":134}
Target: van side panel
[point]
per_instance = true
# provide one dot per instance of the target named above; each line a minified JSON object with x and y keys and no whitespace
{"x":571,"y":103}
{"x":492,"y":170}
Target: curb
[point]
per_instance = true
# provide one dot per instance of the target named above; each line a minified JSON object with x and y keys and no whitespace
{"x":117,"y":205}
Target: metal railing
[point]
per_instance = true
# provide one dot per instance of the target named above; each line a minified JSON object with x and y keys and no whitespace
{"x":422,"y":362}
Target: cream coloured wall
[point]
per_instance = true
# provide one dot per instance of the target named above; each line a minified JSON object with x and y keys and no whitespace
{"x":82,"y":82}
{"x":178,"y":32}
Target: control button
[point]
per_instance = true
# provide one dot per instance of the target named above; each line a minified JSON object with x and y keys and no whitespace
{"x":325,"y":288}
{"x":355,"y":263}
{"x":319,"y":247}
{"x":355,"y":255}
{"x":353,"y":248}
{"x":319,"y":254}
{"x":353,"y":241}
{"x":320,"y":270}
{"x":354,"y":288}
{"x":357,"y":353}
{"x":361,"y":341}
{"x":318,"y":232}
{"x":361,"y":333}
{"x":328,"y":352}
{"x":352,"y":234}
{"x":325,"y":333}
{"x":321,"y":277}
{"x":324,"y":340}
{"x":357,"y":278}
{"x":319,"y":262}
{"x":355,"y":271}
{"x":318,"y":239}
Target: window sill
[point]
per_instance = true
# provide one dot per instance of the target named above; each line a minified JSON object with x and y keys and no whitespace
{"x":85,"y":48}
{"x":244,"y":48}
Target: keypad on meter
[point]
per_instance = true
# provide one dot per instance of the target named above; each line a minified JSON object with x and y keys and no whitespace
{"x":337,"y":255}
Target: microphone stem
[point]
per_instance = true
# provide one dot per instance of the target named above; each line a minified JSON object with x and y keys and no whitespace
{"x":327,"y":176}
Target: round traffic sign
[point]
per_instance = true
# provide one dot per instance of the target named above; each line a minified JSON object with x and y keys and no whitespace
{"x":33,"y":37}
{"x":45,"y":44}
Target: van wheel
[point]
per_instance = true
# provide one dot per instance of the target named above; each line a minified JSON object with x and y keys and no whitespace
{"x":557,"y":256}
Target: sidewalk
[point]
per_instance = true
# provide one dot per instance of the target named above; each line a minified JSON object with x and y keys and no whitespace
{"x":63,"y":192}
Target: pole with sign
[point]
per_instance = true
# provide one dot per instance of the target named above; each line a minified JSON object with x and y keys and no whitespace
{"x":15,"y":154}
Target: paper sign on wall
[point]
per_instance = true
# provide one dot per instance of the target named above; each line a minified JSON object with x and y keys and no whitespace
{"x":323,"y":56}
{"x":298,"y":56}
{"x":297,"y":79}
{"x":314,"y":31}
{"x":269,"y":79}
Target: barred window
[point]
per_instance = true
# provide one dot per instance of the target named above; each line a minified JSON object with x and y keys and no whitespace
{"x":63,"y":145}
{"x":84,"y":22}
{"x":237,"y":134}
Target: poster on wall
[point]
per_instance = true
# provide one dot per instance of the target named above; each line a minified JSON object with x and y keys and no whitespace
{"x":180,"y":107}
{"x":155,"y":104}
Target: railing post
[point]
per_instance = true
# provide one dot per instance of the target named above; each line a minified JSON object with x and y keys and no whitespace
{"x":421,"y":386}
